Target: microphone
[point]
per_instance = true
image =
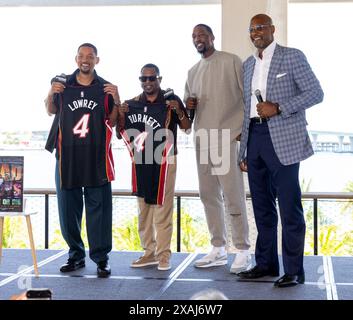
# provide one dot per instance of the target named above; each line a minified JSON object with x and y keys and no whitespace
{"x":168,"y":93}
{"x":60,"y":78}
{"x":258,"y":95}
{"x":192,"y":111}
{"x":259,"y":98}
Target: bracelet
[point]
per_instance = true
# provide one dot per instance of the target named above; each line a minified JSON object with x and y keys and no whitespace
{"x":182,"y":117}
{"x":117,"y":104}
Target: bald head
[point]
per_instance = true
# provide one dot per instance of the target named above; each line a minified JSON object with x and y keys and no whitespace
{"x":263,"y":17}
{"x":261,"y":32}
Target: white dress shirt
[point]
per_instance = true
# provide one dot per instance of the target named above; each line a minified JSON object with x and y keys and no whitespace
{"x":259,"y":79}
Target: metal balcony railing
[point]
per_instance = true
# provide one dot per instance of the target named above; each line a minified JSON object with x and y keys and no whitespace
{"x":179,"y":195}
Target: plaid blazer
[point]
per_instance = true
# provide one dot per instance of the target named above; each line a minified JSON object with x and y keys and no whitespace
{"x":293,"y":85}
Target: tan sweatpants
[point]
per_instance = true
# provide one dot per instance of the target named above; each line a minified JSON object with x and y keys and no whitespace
{"x":155,"y":222}
{"x":224,"y":194}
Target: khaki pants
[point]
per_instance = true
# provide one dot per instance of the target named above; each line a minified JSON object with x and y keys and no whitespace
{"x":224,"y":194}
{"x":155,"y":222}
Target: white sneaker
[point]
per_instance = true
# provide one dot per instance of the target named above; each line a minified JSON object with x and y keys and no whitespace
{"x":217,"y":257}
{"x":242,"y":262}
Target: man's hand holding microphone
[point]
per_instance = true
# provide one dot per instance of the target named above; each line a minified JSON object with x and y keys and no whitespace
{"x":173,"y":104}
{"x":57,"y":86}
{"x":191,"y":105}
{"x":266,"y":109}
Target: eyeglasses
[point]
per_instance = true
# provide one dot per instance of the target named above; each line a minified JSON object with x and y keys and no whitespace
{"x":149,"y":78}
{"x":259,"y":27}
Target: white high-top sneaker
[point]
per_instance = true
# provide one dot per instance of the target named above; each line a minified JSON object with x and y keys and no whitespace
{"x":242,"y":262}
{"x":217,"y":257}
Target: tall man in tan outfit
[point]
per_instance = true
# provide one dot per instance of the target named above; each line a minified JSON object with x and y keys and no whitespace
{"x":213,"y":92}
{"x":155,"y":206}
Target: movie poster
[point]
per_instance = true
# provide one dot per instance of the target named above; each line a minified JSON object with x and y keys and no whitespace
{"x":11,"y":184}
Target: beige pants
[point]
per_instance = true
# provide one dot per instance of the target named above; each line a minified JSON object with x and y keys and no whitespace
{"x":155,"y":222}
{"x":224,"y":194}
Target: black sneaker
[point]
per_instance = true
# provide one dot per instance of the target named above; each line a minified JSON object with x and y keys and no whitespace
{"x":72,"y":265}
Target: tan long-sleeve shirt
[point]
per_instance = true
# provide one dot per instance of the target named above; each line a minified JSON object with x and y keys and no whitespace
{"x":217,"y":82}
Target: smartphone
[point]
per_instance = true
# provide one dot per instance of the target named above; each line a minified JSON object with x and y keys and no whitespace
{"x":39,"y":294}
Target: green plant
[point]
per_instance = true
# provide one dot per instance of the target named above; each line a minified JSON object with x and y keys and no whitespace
{"x":15,"y":234}
{"x":126,"y":237}
{"x":194,"y":233}
{"x":58,"y":241}
{"x":331,"y":241}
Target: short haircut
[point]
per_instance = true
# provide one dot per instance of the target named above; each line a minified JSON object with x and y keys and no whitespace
{"x":263,"y":16}
{"x":151,"y":66}
{"x":208,"y":28}
{"x":90,"y":45}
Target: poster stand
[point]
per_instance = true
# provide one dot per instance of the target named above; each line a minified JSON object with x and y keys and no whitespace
{"x":12,"y":203}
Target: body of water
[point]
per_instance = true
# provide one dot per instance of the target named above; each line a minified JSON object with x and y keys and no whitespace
{"x":327,"y":172}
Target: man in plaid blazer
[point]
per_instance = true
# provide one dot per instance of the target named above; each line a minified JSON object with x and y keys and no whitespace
{"x":279,"y":86}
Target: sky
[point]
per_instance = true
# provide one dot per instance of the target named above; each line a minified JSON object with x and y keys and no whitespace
{"x":38,"y":43}
{"x":322,"y":32}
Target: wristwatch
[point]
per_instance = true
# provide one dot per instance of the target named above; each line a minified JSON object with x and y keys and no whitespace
{"x":279,"y":111}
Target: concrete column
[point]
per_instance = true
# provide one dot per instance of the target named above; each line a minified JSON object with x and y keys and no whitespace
{"x":340,"y":143}
{"x":278,"y":11}
{"x":236,"y":15}
{"x":351,"y":144}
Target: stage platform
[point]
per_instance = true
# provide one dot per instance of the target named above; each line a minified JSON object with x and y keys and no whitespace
{"x":327,"y":278}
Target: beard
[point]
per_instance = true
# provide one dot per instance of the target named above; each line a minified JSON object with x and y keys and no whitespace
{"x":150,"y":91}
{"x":201,"y":48}
{"x":84,"y":71}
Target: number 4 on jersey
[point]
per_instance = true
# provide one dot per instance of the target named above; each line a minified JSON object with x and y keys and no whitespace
{"x":139,"y":141}
{"x":81,"y":128}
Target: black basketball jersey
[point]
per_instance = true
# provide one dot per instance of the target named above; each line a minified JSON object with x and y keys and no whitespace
{"x":84,"y":141}
{"x":148,"y":141}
